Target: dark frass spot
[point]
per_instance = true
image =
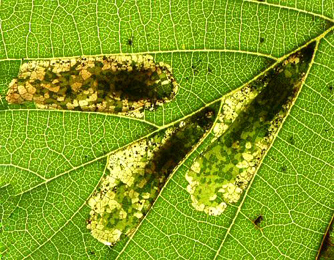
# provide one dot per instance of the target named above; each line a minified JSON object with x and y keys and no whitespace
{"x":247,"y":125}
{"x":291,"y":140}
{"x":195,"y":69}
{"x":284,"y":168}
{"x":130,"y":42}
{"x":261,"y":40}
{"x":114,"y":84}
{"x":258,"y":220}
{"x":137,"y":174}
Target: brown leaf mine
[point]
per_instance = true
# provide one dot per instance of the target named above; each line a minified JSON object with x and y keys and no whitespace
{"x":246,"y":127}
{"x":137,"y":174}
{"x":125,"y":84}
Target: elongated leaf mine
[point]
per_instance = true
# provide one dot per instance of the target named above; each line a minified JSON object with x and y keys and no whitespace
{"x":137,"y":174}
{"x":246,"y":127}
{"x":115,"y":84}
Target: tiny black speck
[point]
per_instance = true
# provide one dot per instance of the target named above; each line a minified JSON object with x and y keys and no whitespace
{"x":258,"y":220}
{"x":291,"y":140}
{"x":284,"y":168}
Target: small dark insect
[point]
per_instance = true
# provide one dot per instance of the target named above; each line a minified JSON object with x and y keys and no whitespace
{"x":258,"y":220}
{"x":130,"y":42}
{"x":330,"y":88}
{"x":261,"y":40}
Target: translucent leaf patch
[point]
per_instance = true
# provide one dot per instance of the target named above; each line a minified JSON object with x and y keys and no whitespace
{"x":246,"y":127}
{"x":136,"y":175}
{"x":114,"y":84}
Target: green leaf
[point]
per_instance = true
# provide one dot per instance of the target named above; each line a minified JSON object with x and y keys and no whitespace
{"x":52,"y":161}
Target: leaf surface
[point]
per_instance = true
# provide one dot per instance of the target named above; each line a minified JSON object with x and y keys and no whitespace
{"x":52,"y":161}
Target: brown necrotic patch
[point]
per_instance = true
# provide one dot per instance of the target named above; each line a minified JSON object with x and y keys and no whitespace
{"x":114,"y":84}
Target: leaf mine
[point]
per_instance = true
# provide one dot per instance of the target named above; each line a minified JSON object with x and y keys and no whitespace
{"x":137,"y":174}
{"x":123,"y":84}
{"x":246,"y":127}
